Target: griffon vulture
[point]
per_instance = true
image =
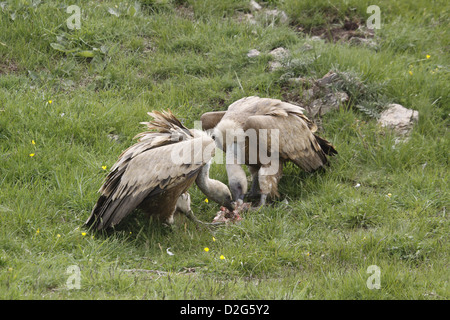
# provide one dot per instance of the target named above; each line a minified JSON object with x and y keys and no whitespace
{"x":246,"y":129}
{"x":155,"y":173}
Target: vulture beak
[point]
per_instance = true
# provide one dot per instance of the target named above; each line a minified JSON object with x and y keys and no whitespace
{"x":229,"y":204}
{"x":237,"y":192}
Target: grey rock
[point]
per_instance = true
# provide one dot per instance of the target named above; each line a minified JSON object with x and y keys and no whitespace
{"x":399,"y":118}
{"x":255,"y":5}
{"x":253,"y":53}
{"x":279,"y":54}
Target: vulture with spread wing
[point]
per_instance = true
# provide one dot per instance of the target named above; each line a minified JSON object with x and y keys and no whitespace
{"x":265,"y":133}
{"x":155,"y":173}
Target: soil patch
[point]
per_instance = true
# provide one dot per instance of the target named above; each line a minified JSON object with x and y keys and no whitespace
{"x":8,"y":67}
{"x":349,"y":31}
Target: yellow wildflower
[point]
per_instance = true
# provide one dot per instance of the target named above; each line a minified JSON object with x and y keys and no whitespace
{"x":83,"y":234}
{"x":222,"y":257}
{"x":214,"y":239}
{"x":31,"y":154}
{"x":33,"y":142}
{"x":410,"y":72}
{"x":206,"y":249}
{"x":37,"y":231}
{"x":104,"y":167}
{"x":58,"y":235}
{"x":428,"y":56}
{"x":206,"y":200}
{"x":50,"y":101}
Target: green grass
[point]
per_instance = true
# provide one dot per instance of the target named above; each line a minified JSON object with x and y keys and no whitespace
{"x":315,"y":242}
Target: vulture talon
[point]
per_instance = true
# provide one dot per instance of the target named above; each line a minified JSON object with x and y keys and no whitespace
{"x":190,"y":215}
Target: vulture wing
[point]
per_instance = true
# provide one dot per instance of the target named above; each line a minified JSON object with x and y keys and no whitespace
{"x":294,"y":135}
{"x":211,"y":119}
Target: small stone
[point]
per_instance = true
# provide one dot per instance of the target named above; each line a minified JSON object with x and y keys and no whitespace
{"x":246,"y":18}
{"x":316,"y":38}
{"x":253,"y":53}
{"x":327,"y":79}
{"x":277,"y":14}
{"x":331,"y":101}
{"x":113,"y":137}
{"x":279,"y":54}
{"x":399,"y":118}
{"x":275,"y":65}
{"x":255,"y":5}
{"x":298,"y":81}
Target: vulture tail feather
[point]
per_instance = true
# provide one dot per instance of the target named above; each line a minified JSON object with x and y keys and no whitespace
{"x":326,"y":146}
{"x":165,"y":122}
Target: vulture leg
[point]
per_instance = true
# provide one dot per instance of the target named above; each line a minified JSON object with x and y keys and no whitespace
{"x":268,"y":181}
{"x":191,"y":216}
{"x":262,"y":200}
{"x":184,"y":206}
{"x":170,"y":220}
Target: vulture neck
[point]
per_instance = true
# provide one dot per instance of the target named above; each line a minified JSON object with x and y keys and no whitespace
{"x":214,"y":189}
{"x":205,"y":183}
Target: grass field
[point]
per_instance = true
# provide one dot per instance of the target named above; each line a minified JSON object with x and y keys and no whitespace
{"x":71,"y":100}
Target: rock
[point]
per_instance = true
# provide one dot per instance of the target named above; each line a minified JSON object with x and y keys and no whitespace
{"x":253,"y":53}
{"x":399,"y":118}
{"x":113,"y":137}
{"x":331,"y":101}
{"x":306,"y":47}
{"x":327,"y":79}
{"x":277,"y":14}
{"x":246,"y":18}
{"x":255,"y":6}
{"x":308,"y":94}
{"x":279,"y":54}
{"x":316,"y":38}
{"x":275,"y":65}
{"x":298,"y":81}
{"x":370,"y":43}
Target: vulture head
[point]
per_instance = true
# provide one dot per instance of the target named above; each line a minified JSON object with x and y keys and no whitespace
{"x":237,"y":180}
{"x":214,"y":189}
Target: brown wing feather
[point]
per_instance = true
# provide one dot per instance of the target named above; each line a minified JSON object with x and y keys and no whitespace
{"x":146,"y":175}
{"x":297,"y":142}
{"x":211,"y":119}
